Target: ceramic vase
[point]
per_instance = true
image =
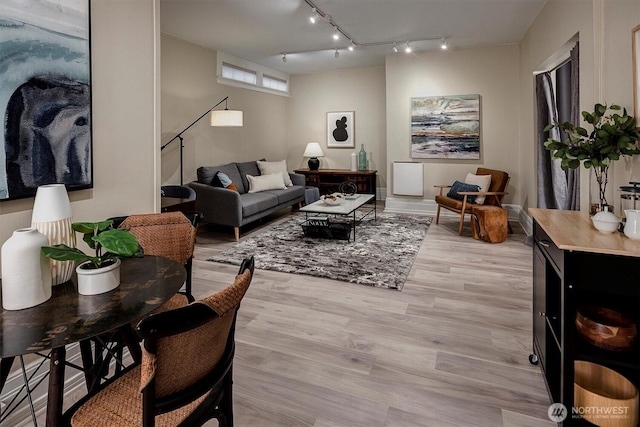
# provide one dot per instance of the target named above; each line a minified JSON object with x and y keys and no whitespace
{"x":26,"y":276}
{"x":52,"y":217}
{"x":98,"y":280}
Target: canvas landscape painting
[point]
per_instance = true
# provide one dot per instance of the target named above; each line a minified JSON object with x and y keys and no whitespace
{"x":445,"y":127}
{"x":45,"y":96}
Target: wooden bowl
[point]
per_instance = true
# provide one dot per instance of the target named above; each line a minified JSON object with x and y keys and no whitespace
{"x":603,"y":396}
{"x":606,"y":328}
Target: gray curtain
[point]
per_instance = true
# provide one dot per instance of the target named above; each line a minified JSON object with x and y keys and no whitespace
{"x":557,"y":189}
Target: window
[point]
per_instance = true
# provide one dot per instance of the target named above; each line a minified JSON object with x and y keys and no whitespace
{"x":274,"y":83}
{"x":239,"y":74}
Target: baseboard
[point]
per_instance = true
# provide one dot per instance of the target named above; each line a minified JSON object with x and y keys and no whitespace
{"x":429,"y":207}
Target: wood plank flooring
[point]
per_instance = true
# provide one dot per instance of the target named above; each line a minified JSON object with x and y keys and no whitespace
{"x":451,"y":349}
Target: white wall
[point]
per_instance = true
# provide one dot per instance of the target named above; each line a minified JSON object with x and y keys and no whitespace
{"x":360,"y":90}
{"x":491,"y":72}
{"x":189,"y":88}
{"x":125,"y":125}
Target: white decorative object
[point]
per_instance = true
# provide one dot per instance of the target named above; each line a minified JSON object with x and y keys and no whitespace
{"x":93,"y":281}
{"x":354,"y":162}
{"x":632,"y":226}
{"x":26,"y":277}
{"x":605,"y":221}
{"x":52,"y":217}
{"x":333,"y":199}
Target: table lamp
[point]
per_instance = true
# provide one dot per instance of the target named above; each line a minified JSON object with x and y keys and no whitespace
{"x":313,"y":151}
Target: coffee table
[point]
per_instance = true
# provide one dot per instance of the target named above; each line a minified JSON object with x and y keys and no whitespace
{"x":347,"y":208}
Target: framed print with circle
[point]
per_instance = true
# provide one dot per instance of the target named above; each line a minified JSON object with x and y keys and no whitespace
{"x":340,"y":129}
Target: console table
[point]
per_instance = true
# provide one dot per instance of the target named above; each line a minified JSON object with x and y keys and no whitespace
{"x":328,"y":180}
{"x":575,"y":265}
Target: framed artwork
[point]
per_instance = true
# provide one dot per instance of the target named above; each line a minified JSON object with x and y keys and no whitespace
{"x":635,"y":43}
{"x":445,"y":127}
{"x":45,"y":96}
{"x":340,"y":129}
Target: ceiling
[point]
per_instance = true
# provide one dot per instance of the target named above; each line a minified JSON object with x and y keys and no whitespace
{"x":262,"y":30}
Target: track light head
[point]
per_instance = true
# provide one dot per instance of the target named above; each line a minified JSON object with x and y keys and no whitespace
{"x":337,"y":54}
{"x":443,"y":44}
{"x":395,"y":47}
{"x":284,"y":57}
{"x":407,"y":48}
{"x":352,"y":46}
{"x":336,"y":34}
{"x":314,"y":16}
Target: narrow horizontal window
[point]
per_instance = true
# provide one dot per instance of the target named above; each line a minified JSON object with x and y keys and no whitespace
{"x":274,"y":83}
{"x":239,"y":74}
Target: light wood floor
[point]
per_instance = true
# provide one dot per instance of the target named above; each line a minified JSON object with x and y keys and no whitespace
{"x":451,"y":349}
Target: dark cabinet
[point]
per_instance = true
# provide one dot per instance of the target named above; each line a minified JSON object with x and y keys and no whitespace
{"x":576,"y":266}
{"x":329,"y":180}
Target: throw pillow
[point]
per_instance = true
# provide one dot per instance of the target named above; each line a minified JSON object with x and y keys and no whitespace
{"x":222,"y":180}
{"x":267,"y":168}
{"x":461,"y":186}
{"x":481,"y":180}
{"x":272,"y":181}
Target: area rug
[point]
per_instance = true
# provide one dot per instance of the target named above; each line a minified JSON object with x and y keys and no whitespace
{"x":381,"y":256}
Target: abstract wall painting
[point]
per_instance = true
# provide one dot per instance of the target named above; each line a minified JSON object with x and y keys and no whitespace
{"x":340,"y":129}
{"x":45,"y":96}
{"x":445,"y":127}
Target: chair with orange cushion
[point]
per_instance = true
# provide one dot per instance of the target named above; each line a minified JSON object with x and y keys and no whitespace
{"x":492,"y":196}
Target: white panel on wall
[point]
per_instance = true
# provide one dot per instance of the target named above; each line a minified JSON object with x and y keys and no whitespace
{"x":408,"y":179}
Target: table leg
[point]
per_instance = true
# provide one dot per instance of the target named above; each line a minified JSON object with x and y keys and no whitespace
{"x":56,"y":386}
{"x":5,"y":368}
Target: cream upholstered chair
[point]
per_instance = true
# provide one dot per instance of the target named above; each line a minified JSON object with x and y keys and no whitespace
{"x":493,"y":196}
{"x":185,"y":378}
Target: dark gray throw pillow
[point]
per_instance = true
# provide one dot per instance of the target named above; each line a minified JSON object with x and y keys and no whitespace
{"x":461,"y":186}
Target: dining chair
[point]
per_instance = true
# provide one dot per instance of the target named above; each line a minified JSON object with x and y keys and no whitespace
{"x":461,"y":205}
{"x":185,"y":378}
{"x":168,"y":234}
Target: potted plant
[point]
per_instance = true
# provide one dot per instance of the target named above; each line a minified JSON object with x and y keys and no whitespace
{"x":101,"y":272}
{"x":613,"y":135}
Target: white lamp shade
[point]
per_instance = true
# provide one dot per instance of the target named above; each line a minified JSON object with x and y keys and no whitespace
{"x":313,"y":150}
{"x":221,"y":118}
{"x":51,"y":203}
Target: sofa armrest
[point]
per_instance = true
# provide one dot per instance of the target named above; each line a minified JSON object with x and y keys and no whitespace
{"x":218,"y":205}
{"x":298,"y":179}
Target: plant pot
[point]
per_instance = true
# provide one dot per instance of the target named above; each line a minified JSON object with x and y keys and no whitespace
{"x":93,"y":281}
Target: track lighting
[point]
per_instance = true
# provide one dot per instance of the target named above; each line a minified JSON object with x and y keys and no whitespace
{"x":407,"y":49}
{"x":395,"y":47}
{"x":284,"y":57}
{"x":314,"y":16}
{"x":336,"y":34}
{"x":337,"y":54}
{"x":352,"y":46}
{"x":443,"y":44}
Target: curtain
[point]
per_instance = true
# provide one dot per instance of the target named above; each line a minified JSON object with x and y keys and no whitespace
{"x":557,"y":189}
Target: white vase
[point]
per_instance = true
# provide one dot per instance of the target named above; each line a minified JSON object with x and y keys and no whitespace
{"x":26,"y":277}
{"x":52,"y":217}
{"x":98,"y":280}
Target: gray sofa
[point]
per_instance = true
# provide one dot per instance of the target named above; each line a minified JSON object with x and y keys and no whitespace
{"x":237,"y":208}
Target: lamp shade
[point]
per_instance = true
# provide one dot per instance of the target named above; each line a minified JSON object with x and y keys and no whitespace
{"x":227,"y":118}
{"x":313,"y":150}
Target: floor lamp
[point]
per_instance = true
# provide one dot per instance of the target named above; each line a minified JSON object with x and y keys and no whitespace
{"x":220,"y":118}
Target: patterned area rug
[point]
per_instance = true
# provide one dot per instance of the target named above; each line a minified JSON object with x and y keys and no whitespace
{"x":381,"y":256}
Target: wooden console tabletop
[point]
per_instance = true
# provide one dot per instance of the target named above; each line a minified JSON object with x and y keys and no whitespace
{"x":574,"y":231}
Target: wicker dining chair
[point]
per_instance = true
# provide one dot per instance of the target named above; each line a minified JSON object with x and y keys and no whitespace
{"x":185,"y":378}
{"x":167,"y":234}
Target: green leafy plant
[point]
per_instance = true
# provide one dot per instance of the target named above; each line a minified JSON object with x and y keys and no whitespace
{"x":108,"y":243}
{"x":613,"y":135}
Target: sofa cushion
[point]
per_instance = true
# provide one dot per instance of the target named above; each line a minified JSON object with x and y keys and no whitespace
{"x":247,"y":168}
{"x":206,"y":174}
{"x":222,"y":180}
{"x":267,"y":168}
{"x":253,"y":203}
{"x":260,"y":183}
{"x":289,"y":195}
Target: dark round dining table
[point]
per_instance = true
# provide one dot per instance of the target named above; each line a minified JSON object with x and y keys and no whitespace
{"x":68,"y":317}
